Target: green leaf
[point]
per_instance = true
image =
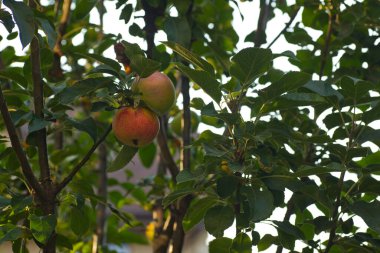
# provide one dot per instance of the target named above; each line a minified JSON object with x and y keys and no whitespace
{"x":210,"y":85}
{"x":185,"y":176}
{"x":286,"y":240}
{"x":287,"y":227}
{"x":81,"y":88}
{"x":131,"y":49}
{"x":4,"y":201}
{"x":125,"y":217}
{"x":19,"y":246}
{"x":64,"y":241}
{"x":42,"y":226}
{"x":288,"y":82}
{"x":229,"y":118}
{"x":20,"y":203}
{"x":83,"y":8}
{"x":143,"y":66}
{"x":308,"y":230}
{"x":226,"y":186}
{"x":337,"y":119}
{"x":13,"y":75}
{"x":123,"y":158}
{"x":260,"y":202}
{"x":369,"y":212}
{"x":305,"y":171}
{"x":196,"y":211}
{"x":178,"y":30}
{"x":104,"y":69}
{"x":10,"y":232}
{"x":266,"y":242}
{"x":288,"y":54}
{"x":147,"y":155}
{"x":126,"y":13}
{"x":191,"y":57}
{"x":49,"y":30}
{"x":241,"y":244}
{"x":12,"y":36}
{"x":130,"y":237}
{"x":88,"y":125}
{"x":370,"y":160}
{"x":323,"y":89}
{"x":354,"y":88}
{"x":220,"y":245}
{"x":79,"y":221}
{"x":153,"y":3}
{"x":139,"y":195}
{"x":370,"y":115}
{"x":175,"y":195}
{"x":107,"y":61}
{"x":250,"y":63}
{"x":218,"y":219}
{"x":37,"y":124}
{"x":6,"y":20}
{"x":24,"y":18}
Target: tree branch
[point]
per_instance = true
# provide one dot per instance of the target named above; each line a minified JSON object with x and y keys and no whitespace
{"x":262,"y":22}
{"x":25,"y":166}
{"x":101,"y":214}
{"x":335,"y":215}
{"x":182,"y":205}
{"x":289,"y":212}
{"x":82,"y":162}
{"x":186,"y":123}
{"x":38,"y":96}
{"x":292,"y":17}
{"x":162,"y":237}
{"x":56,"y":71}
{"x":325,"y":50}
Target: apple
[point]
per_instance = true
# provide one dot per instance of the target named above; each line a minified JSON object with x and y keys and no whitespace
{"x":175,"y":124}
{"x":136,"y":127}
{"x":157,"y":91}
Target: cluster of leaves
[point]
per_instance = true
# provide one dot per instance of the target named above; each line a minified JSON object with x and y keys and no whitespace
{"x":302,"y":139}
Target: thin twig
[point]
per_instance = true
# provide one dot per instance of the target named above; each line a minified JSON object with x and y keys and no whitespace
{"x":82,"y":162}
{"x":165,"y":152}
{"x":25,"y":166}
{"x":292,"y":17}
{"x":186,"y":123}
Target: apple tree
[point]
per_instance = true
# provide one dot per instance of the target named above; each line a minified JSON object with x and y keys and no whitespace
{"x":300,"y":144}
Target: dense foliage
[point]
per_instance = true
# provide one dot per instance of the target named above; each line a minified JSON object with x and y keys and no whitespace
{"x":307,"y":142}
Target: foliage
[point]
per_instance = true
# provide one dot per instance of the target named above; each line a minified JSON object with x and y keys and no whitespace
{"x":307,"y":146}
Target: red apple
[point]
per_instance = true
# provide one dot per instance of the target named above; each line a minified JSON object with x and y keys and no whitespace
{"x":157,"y":91}
{"x":135,"y":127}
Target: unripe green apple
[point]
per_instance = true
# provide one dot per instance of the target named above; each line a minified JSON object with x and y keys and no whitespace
{"x":135,"y":127}
{"x":175,"y":124}
{"x":157,"y":91}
